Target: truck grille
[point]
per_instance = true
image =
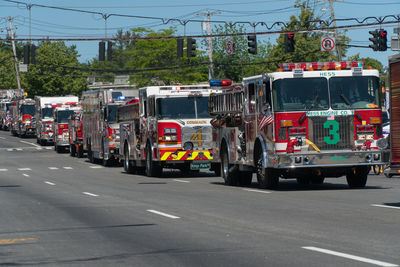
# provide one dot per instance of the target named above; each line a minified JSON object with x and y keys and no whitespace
{"x":318,"y":132}
{"x":200,"y":136}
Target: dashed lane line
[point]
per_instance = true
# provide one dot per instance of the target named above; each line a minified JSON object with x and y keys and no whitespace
{"x":49,"y":183}
{"x":385,"y":206}
{"x":2,"y":138}
{"x":3,"y":170}
{"x":181,"y":181}
{"x":68,"y":168}
{"x":351,"y":257}
{"x":164,"y":214}
{"x":53,"y":168}
{"x":256,"y":191}
{"x":24,"y":169}
{"x":26,"y":175}
{"x":90,"y":194}
{"x":29,"y":143}
{"x":96,"y":167}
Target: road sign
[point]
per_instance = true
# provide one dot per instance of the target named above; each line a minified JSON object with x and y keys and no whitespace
{"x":395,"y":43}
{"x":328,"y":43}
{"x":230,"y":47}
{"x":23,"y":67}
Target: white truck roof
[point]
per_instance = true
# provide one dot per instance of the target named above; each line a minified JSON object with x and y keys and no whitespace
{"x":46,"y":100}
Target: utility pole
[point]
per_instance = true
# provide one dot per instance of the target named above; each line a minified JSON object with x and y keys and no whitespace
{"x":14,"y":53}
{"x":338,"y":53}
{"x":210,"y":59}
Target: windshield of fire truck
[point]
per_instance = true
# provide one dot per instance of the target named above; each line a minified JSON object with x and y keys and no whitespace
{"x":64,"y":115}
{"x":356,"y":92}
{"x":112,"y":113}
{"x":28,"y":109}
{"x":298,"y":94}
{"x":182,"y":107}
{"x":47,"y":113}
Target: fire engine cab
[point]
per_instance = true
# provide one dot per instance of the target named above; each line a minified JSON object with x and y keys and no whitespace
{"x":306,"y":121}
{"x":168,"y":128}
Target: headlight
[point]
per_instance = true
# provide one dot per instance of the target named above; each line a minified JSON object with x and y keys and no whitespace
{"x":382,"y":143}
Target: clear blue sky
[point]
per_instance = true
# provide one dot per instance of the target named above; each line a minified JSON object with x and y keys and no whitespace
{"x":60,"y":23}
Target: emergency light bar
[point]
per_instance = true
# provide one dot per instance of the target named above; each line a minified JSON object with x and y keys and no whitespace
{"x":220,"y":82}
{"x":342,"y":65}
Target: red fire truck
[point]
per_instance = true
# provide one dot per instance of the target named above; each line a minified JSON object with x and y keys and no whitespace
{"x":168,"y":128}
{"x":307,"y":121}
{"x":23,"y":117}
{"x":75,"y":125}
{"x":394,"y":80}
{"x":61,"y":115}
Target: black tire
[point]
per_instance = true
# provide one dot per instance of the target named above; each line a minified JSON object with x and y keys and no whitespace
{"x":128,"y":167}
{"x":245,"y":178}
{"x":79,"y":152}
{"x":72,"y":150}
{"x":317,"y":179}
{"x":90,"y":154}
{"x":58,"y":149}
{"x":266,"y":178}
{"x":152,"y":169}
{"x":303,"y":180}
{"x":357,"y":177}
{"x":228,"y":173}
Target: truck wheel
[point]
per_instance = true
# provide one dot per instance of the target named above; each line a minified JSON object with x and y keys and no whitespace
{"x":79,"y":149}
{"x":72,"y":150}
{"x":245,"y":178}
{"x":58,"y":149}
{"x":128,"y":167}
{"x":228,"y":173}
{"x":152,"y":169}
{"x":90,"y":154}
{"x":357,"y":177}
{"x":265,"y":177}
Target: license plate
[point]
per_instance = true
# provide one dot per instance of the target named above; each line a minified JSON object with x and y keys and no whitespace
{"x":198,"y":166}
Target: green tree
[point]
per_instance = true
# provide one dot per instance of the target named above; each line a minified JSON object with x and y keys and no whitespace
{"x":7,"y":69}
{"x":56,"y":72}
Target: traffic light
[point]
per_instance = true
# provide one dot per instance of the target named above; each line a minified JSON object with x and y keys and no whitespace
{"x":252,"y":43}
{"x":109,"y":50}
{"x":191,"y":47}
{"x":289,"y":42}
{"x":102,"y":51}
{"x":179,"y":47}
{"x":375,"y":40}
{"x":33,"y":54}
{"x":382,"y":40}
{"x":27,"y":52}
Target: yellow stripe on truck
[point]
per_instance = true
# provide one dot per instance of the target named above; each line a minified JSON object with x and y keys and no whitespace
{"x":166,"y":155}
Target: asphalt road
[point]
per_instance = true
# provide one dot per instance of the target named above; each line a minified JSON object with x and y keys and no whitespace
{"x":62,"y":211}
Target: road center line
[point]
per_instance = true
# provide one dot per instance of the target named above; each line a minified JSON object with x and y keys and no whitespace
{"x":164,"y":214}
{"x":26,"y":175}
{"x":385,"y":206}
{"x":29,"y":143}
{"x":352,"y":257}
{"x":181,"y":181}
{"x":50,"y":183}
{"x":90,"y":194}
{"x":257,"y":191}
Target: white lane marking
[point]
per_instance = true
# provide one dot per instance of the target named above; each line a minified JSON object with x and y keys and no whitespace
{"x":48,"y":148}
{"x":90,"y":194}
{"x":3,"y":170}
{"x":24,"y":169}
{"x":385,"y":206}
{"x":10,"y":149}
{"x":181,"y":181}
{"x":26,"y":175}
{"x":53,"y":168}
{"x":19,"y":149}
{"x":68,"y":168}
{"x":50,"y":183}
{"x":352,"y":257}
{"x":39,"y":148}
{"x":164,"y":214}
{"x":257,"y":191}
{"x":29,"y":143}
{"x":96,"y":167}
{"x":2,"y":138}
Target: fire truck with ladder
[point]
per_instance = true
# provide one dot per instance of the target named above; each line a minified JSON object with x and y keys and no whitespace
{"x":168,"y":128}
{"x":61,"y":114}
{"x":306,"y":121}
{"x":100,"y":127}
